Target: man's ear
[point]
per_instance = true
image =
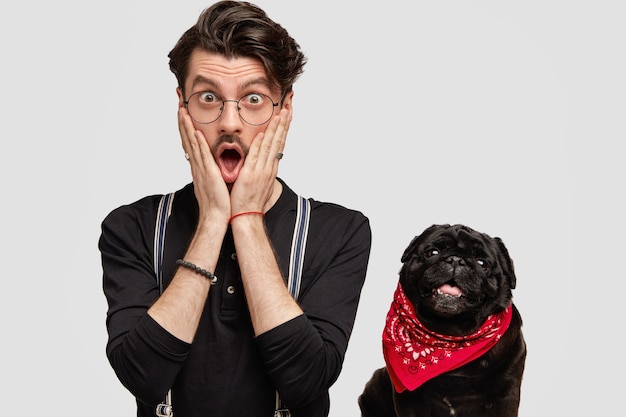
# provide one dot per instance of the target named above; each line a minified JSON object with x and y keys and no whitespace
{"x":180,"y":97}
{"x":288,"y":101}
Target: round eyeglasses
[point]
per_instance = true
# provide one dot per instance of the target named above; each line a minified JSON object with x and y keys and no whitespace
{"x":206,"y":107}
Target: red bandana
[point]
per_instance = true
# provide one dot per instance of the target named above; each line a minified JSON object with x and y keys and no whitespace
{"x":414,"y":354}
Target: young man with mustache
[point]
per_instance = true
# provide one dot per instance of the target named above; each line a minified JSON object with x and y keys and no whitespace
{"x":224,"y":334}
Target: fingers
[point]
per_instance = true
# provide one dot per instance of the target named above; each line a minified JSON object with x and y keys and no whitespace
{"x":279,"y":135}
{"x":267,"y":148}
{"x":196,"y":148}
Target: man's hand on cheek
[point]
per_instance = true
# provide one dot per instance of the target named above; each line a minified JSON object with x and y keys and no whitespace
{"x":209,"y":186}
{"x":254,"y":187}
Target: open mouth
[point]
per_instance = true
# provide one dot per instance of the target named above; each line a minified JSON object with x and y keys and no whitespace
{"x":230,"y":162}
{"x":230,"y":159}
{"x":448,"y":290}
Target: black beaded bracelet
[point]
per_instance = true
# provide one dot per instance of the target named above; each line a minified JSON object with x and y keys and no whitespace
{"x":211,"y":277}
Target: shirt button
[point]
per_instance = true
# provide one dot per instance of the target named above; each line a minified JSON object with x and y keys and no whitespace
{"x":230,"y":289}
{"x":233,"y":256}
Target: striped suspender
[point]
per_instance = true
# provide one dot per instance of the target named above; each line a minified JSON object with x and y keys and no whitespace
{"x":296,"y":262}
{"x":298,"y":245}
{"x":163,"y":213}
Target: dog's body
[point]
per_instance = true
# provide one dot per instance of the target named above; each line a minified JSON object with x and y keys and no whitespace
{"x":457,"y":281}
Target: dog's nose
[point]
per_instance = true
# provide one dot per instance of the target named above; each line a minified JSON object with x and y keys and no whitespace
{"x":456,"y":261}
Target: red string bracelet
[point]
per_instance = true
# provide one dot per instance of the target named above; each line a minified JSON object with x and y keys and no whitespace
{"x":260,"y":213}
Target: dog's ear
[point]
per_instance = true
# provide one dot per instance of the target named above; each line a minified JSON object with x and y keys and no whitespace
{"x":409,"y":249}
{"x":418,"y":239}
{"x":505,"y":262}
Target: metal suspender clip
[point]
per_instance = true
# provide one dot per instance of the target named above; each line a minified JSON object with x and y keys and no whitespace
{"x":283,"y":412}
{"x":164,"y":410}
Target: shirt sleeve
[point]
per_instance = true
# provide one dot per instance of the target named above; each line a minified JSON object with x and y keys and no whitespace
{"x":145,"y":357}
{"x":304,"y":356}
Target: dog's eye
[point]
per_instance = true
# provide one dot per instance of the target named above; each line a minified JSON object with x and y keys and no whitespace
{"x":482,"y":263}
{"x":431,"y":252}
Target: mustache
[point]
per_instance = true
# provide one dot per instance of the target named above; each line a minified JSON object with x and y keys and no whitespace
{"x":230,"y":139}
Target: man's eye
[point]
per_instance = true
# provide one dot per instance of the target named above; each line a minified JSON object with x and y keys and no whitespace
{"x":207,"y":97}
{"x":254,"y":99}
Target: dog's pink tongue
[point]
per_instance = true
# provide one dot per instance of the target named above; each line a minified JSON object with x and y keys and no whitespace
{"x":450,"y":290}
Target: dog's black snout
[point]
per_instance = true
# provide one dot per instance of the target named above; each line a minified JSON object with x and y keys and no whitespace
{"x":456,"y":261}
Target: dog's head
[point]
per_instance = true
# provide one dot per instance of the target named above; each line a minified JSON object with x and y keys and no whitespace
{"x":456,"y":277}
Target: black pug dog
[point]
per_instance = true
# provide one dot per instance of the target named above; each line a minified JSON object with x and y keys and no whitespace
{"x":452,"y":342}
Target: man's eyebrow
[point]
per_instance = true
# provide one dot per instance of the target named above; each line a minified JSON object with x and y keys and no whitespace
{"x":200,"y":79}
{"x":203,"y":80}
{"x":256,"y":81}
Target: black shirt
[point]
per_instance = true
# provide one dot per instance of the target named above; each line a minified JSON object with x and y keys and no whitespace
{"x":227,"y":371}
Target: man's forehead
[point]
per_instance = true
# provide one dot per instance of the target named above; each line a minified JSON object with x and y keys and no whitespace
{"x":212,"y":68}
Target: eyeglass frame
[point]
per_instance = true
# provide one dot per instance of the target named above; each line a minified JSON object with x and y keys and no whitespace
{"x":186,"y":103}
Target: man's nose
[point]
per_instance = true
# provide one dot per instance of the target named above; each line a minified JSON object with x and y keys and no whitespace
{"x":230,"y":120}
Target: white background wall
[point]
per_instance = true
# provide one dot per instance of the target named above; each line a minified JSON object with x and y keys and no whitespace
{"x":506,"y":116}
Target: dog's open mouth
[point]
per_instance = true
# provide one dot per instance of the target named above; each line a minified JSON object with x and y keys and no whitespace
{"x":448,"y":290}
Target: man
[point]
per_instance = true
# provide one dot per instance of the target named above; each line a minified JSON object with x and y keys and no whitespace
{"x":226,"y":334}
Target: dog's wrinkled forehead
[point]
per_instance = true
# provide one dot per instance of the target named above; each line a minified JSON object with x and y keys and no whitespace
{"x":455,"y":237}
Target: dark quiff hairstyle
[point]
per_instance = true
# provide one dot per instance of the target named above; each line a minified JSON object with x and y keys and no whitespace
{"x":238,"y":29}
